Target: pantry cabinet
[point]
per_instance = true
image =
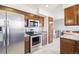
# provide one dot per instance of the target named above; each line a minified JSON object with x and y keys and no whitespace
{"x":70,"y":15}
{"x":50,"y":29}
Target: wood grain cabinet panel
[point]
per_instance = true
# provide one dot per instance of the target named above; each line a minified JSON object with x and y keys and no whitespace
{"x":50,"y":29}
{"x":77,"y":44}
{"x":27,"y":44}
{"x":77,"y":48}
{"x":70,"y":16}
{"x":41,"y":20}
{"x":67,"y":46}
{"x":44,"y":39}
{"x":77,"y":14}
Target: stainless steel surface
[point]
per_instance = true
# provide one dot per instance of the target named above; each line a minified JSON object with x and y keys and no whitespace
{"x":37,"y":46}
{"x":12,"y":33}
{"x":2,"y":33}
{"x":15,"y":29}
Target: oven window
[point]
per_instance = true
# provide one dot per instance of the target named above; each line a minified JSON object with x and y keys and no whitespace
{"x":35,"y":40}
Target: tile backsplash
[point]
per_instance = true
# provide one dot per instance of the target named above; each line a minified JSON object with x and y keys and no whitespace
{"x":72,"y":28}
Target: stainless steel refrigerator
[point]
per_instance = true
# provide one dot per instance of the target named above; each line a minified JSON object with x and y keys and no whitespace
{"x":11,"y":33}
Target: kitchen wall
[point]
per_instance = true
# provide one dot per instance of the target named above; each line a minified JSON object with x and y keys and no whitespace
{"x":59,"y":25}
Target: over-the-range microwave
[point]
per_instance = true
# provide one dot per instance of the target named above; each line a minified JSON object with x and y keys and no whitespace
{"x":33,"y":23}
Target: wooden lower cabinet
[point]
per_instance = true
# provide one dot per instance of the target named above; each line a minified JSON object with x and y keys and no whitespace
{"x":68,"y":46}
{"x":77,"y":48}
{"x":27,"y":44}
{"x":44,"y":39}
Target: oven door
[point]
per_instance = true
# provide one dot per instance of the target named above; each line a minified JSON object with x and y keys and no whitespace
{"x":35,"y":40}
{"x":35,"y":43}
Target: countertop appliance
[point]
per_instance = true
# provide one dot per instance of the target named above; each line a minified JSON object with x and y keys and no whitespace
{"x":12,"y":27}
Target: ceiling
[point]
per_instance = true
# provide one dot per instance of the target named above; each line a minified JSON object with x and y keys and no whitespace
{"x":50,"y":8}
{"x":55,"y":10}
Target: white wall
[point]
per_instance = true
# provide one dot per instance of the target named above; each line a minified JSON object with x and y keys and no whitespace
{"x":59,"y":25}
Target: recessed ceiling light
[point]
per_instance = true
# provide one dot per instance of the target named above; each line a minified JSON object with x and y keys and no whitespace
{"x":46,"y":5}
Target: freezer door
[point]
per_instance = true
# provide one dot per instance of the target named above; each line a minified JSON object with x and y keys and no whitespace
{"x":2,"y":32}
{"x":15,"y":35}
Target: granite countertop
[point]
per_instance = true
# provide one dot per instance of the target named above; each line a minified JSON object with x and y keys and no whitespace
{"x":71,"y":36}
{"x":26,"y":35}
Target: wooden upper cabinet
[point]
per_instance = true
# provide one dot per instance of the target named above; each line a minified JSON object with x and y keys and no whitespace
{"x":77,"y":14}
{"x":70,"y":15}
{"x":41,"y":20}
{"x":30,"y":16}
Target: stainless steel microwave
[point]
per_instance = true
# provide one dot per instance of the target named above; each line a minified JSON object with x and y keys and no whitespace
{"x":33,"y":23}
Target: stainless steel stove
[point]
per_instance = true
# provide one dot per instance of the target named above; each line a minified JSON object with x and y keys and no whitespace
{"x":35,"y":42}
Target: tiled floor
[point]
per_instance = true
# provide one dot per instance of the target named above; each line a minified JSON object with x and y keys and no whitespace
{"x":53,"y":48}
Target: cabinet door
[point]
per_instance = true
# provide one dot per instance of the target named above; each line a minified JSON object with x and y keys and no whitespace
{"x":77,"y":48}
{"x":67,"y":46}
{"x":70,"y":16}
{"x":44,"y":39}
{"x":50,"y":29}
{"x":27,"y":44}
{"x":77,"y":14}
{"x":41,"y":20}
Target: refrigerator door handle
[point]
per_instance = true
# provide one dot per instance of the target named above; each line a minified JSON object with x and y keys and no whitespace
{"x":7,"y":32}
